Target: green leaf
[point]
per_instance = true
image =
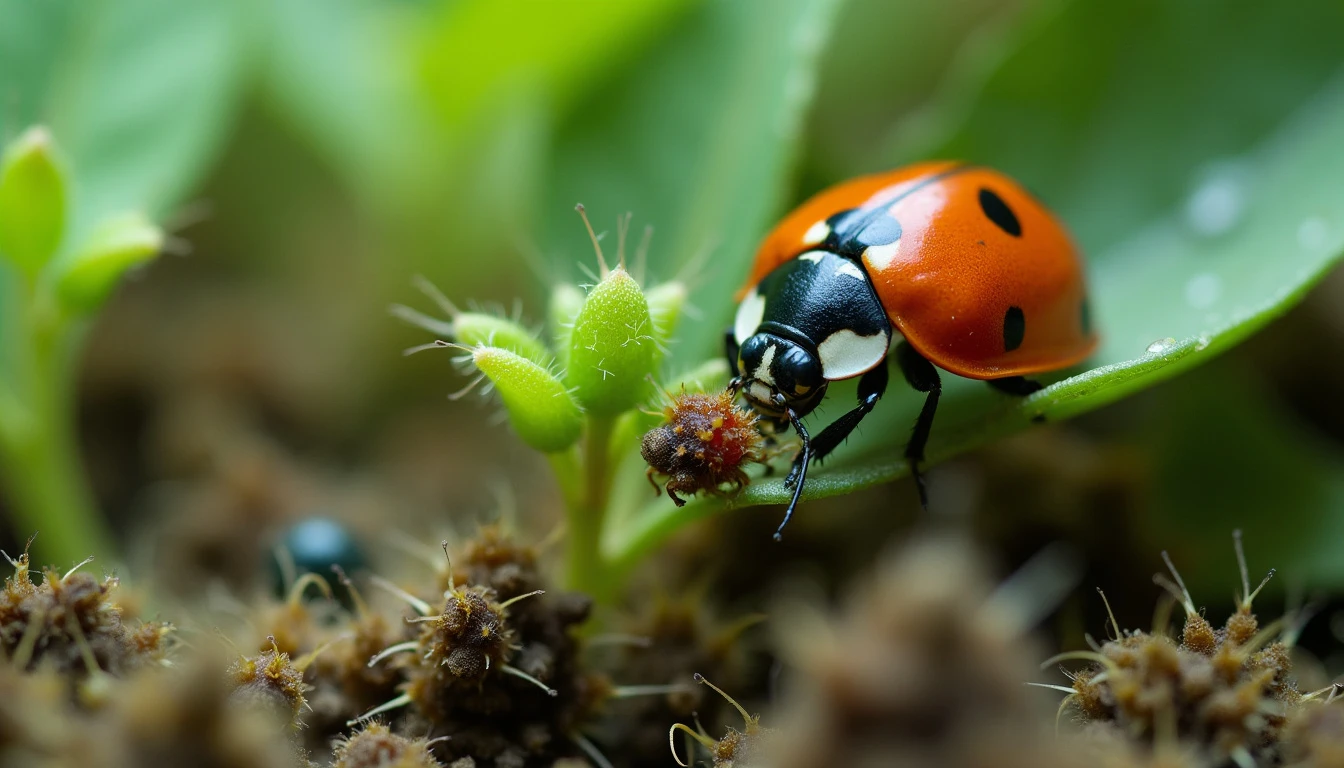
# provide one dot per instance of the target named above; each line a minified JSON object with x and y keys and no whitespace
{"x":557,"y":47}
{"x":611,"y":347}
{"x":540,"y":409}
{"x":1111,"y":112}
{"x":1201,"y":292}
{"x":32,"y":201}
{"x":117,"y":245}
{"x":139,"y":93}
{"x":698,"y":139}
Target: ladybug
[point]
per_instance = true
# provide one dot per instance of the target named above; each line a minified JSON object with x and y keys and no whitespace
{"x":967,"y":269}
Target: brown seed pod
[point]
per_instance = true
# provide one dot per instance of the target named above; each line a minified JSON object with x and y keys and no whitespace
{"x":272,"y":681}
{"x":377,"y":747}
{"x":704,"y":444}
{"x":74,"y":622}
{"x":1221,"y":695}
{"x":501,"y":673}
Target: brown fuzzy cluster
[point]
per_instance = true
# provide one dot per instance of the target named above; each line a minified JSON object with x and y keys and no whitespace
{"x":156,"y":716}
{"x":74,"y":624}
{"x":704,"y":444}
{"x":467,"y":637}
{"x":272,"y":682}
{"x":1216,"y":695}
{"x":668,"y":640}
{"x":493,"y":664}
{"x":376,"y":746}
{"x":922,"y":668}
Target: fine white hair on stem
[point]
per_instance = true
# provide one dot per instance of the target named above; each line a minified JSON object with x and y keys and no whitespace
{"x":420,"y":606}
{"x":1178,"y":589}
{"x":520,"y":674}
{"x":590,"y":749}
{"x":386,"y":706}
{"x":392,"y":650}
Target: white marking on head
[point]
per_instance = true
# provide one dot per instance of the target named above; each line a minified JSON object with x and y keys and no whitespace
{"x":880,"y":256}
{"x":760,"y":392}
{"x":762,"y":372}
{"x":813,"y":256}
{"x":845,"y":354}
{"x":848,"y":267}
{"x":749,"y":315}
{"x":816,"y":233}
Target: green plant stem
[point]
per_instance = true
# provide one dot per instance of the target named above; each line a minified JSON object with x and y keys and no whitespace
{"x":44,"y":477}
{"x":586,"y":566}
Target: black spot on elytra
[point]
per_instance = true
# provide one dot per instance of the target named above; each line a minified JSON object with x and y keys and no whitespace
{"x":1085,"y":317}
{"x":998,"y":212}
{"x":856,"y":229}
{"x":1038,"y":418}
{"x":1014,"y":328}
{"x":883,"y":230}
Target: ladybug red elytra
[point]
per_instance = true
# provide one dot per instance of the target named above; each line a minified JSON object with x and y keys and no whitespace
{"x":974,"y":274}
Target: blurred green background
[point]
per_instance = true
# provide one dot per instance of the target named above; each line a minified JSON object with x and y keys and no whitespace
{"x":310,"y":156}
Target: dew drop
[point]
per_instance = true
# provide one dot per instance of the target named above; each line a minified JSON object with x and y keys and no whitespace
{"x":1219,"y":199}
{"x":1313,"y":234}
{"x":1161,"y":345}
{"x":1203,"y":290}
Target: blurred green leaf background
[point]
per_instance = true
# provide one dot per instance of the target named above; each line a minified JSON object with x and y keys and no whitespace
{"x":308,"y":157}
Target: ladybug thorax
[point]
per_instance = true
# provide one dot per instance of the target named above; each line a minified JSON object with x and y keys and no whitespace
{"x":813,"y":320}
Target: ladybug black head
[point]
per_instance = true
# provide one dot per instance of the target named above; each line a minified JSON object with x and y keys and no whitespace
{"x":779,"y":372}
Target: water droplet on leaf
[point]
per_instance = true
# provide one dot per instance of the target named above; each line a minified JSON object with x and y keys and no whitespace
{"x":1161,"y":345}
{"x":1219,"y":199}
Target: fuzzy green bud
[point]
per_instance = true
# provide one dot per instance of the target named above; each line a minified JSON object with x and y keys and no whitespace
{"x":481,"y":329}
{"x":116,"y":245}
{"x":474,"y":329}
{"x":541,"y":410}
{"x":32,"y":201}
{"x":566,"y":301}
{"x":665,"y":304}
{"x":612,"y":348}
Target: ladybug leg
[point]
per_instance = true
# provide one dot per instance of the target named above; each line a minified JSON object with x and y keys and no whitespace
{"x":923,"y":377}
{"x":872,"y":385}
{"x":1016,"y":385}
{"x":799,"y":469}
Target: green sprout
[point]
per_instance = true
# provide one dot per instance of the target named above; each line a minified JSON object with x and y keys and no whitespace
{"x":578,"y":399}
{"x":51,"y":283}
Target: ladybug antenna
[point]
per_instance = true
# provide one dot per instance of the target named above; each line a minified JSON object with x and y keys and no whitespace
{"x":601,"y":262}
{"x":799,"y":471}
